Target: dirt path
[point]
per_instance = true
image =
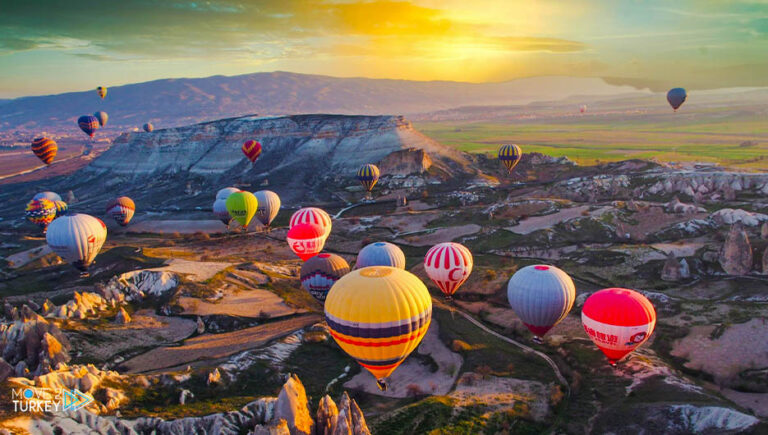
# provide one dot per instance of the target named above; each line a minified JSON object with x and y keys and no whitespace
{"x":213,"y":346}
{"x":525,"y":348}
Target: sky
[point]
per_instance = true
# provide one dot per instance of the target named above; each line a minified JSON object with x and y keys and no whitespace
{"x":54,"y":46}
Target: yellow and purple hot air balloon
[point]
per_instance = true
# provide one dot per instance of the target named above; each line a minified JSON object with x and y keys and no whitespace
{"x":101,"y":91}
{"x":510,"y":156}
{"x":40,"y":212}
{"x":378,"y":315}
{"x":541,"y":296}
{"x":89,"y":124}
{"x":368,"y":175}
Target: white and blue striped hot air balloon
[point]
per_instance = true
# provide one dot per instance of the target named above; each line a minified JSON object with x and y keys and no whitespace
{"x":541,"y":296}
{"x":380,"y":254}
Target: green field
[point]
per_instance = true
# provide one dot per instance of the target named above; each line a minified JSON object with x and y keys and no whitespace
{"x":734,"y":141}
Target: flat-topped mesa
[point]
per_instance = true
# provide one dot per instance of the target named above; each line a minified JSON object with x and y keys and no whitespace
{"x":308,"y":144}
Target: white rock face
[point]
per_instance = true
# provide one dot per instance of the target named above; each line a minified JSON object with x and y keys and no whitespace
{"x":713,"y":418}
{"x":729,"y":216}
{"x":139,"y":283}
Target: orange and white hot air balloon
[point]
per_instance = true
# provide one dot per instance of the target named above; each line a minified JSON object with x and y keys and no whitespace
{"x":618,"y":321}
{"x":448,"y":265}
{"x":121,"y":210}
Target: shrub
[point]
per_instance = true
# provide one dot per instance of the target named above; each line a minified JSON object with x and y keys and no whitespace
{"x":490,"y":275}
{"x":460,"y":346}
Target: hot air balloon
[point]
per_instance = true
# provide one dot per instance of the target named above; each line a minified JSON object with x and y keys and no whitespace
{"x":220,"y":205}
{"x":45,"y":149}
{"x":618,"y":320}
{"x":89,"y":124}
{"x":312,"y":215}
{"x":61,"y":208}
{"x":306,"y":240}
{"x":102,"y":117}
{"x":40,"y":212}
{"x":380,"y":254}
{"x":225,"y":192}
{"x":541,"y":296}
{"x":121,"y":210}
{"x":378,"y":315}
{"x":102,"y":91}
{"x":50,"y":196}
{"x":448,"y":265}
{"x":510,"y":155}
{"x":583,"y":108}
{"x":77,"y":239}
{"x":242,"y":206}
{"x":269,"y":205}
{"x":368,"y":175}
{"x":319,"y":273}
{"x":148,"y":127}
{"x":676,"y":97}
{"x":252,"y":150}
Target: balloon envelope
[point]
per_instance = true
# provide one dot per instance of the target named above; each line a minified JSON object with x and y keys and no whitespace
{"x":45,"y":149}
{"x":148,"y":127}
{"x":380,"y":254}
{"x":102,"y":117}
{"x":252,"y":150}
{"x":225,"y":192}
{"x":269,"y":205}
{"x":121,"y":209}
{"x":319,"y":273}
{"x":242,"y":207}
{"x":312,"y":215}
{"x":101,"y":91}
{"x":61,"y":208}
{"x":676,"y":97}
{"x":89,"y":124}
{"x":368,"y":175}
{"x":510,"y":156}
{"x":50,"y":196}
{"x":40,"y":212}
{"x":378,"y":315}
{"x":541,"y":296}
{"x":306,"y":240}
{"x":77,"y":239}
{"x":448,"y":265}
{"x":618,"y":320}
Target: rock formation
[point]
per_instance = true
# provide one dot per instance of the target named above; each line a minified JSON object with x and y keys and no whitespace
{"x":32,"y":345}
{"x":765,"y":261}
{"x":729,"y":216}
{"x":122,"y":317}
{"x":135,"y":285}
{"x":405,"y":162}
{"x":764,"y":231}
{"x":736,"y":253}
{"x":675,"y":270}
{"x":292,"y":407}
{"x":675,"y":206}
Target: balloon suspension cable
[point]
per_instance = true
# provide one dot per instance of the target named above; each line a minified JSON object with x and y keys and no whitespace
{"x":381,"y":384}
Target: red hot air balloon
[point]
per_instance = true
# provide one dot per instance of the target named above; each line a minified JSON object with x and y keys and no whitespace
{"x":306,"y":240}
{"x":618,"y":321}
{"x":448,"y":265}
{"x":252,"y":150}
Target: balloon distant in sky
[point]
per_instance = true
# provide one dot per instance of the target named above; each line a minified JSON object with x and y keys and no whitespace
{"x":378,"y":315}
{"x":102,"y":117}
{"x":618,"y":320}
{"x":252,"y":150}
{"x":368,"y":175}
{"x":45,"y":149}
{"x":89,"y":124}
{"x":101,"y":91}
{"x":148,"y":127}
{"x":676,"y":97}
{"x":121,"y":210}
{"x":510,"y":156}
{"x":583,"y":108}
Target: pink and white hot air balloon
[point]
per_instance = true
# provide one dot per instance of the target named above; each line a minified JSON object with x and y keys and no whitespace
{"x":448,"y":265}
{"x":312,"y":215}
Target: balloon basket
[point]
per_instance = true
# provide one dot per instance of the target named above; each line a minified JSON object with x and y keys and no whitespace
{"x":85,"y":274}
{"x":536,"y":339}
{"x":381,"y":384}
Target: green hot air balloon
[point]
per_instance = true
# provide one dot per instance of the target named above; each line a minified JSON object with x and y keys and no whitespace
{"x":242,"y":207}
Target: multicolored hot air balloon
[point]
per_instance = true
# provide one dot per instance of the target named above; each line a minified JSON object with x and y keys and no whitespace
{"x":368,"y":175}
{"x":45,"y":149}
{"x":220,"y":205}
{"x":676,"y":97}
{"x":121,"y":210}
{"x":89,"y":124}
{"x":380,"y":254}
{"x":541,"y":296}
{"x":306,"y":240}
{"x":312,"y":215}
{"x":269,"y":205}
{"x":148,"y":127}
{"x":319,"y":273}
{"x":40,"y":212}
{"x":242,"y":207}
{"x":101,"y":91}
{"x":618,"y":321}
{"x":252,"y":150}
{"x":378,"y":315}
{"x":61,"y":208}
{"x":77,"y":239}
{"x":50,"y":196}
{"x":102,"y":117}
{"x":448,"y":265}
{"x":510,"y":155}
